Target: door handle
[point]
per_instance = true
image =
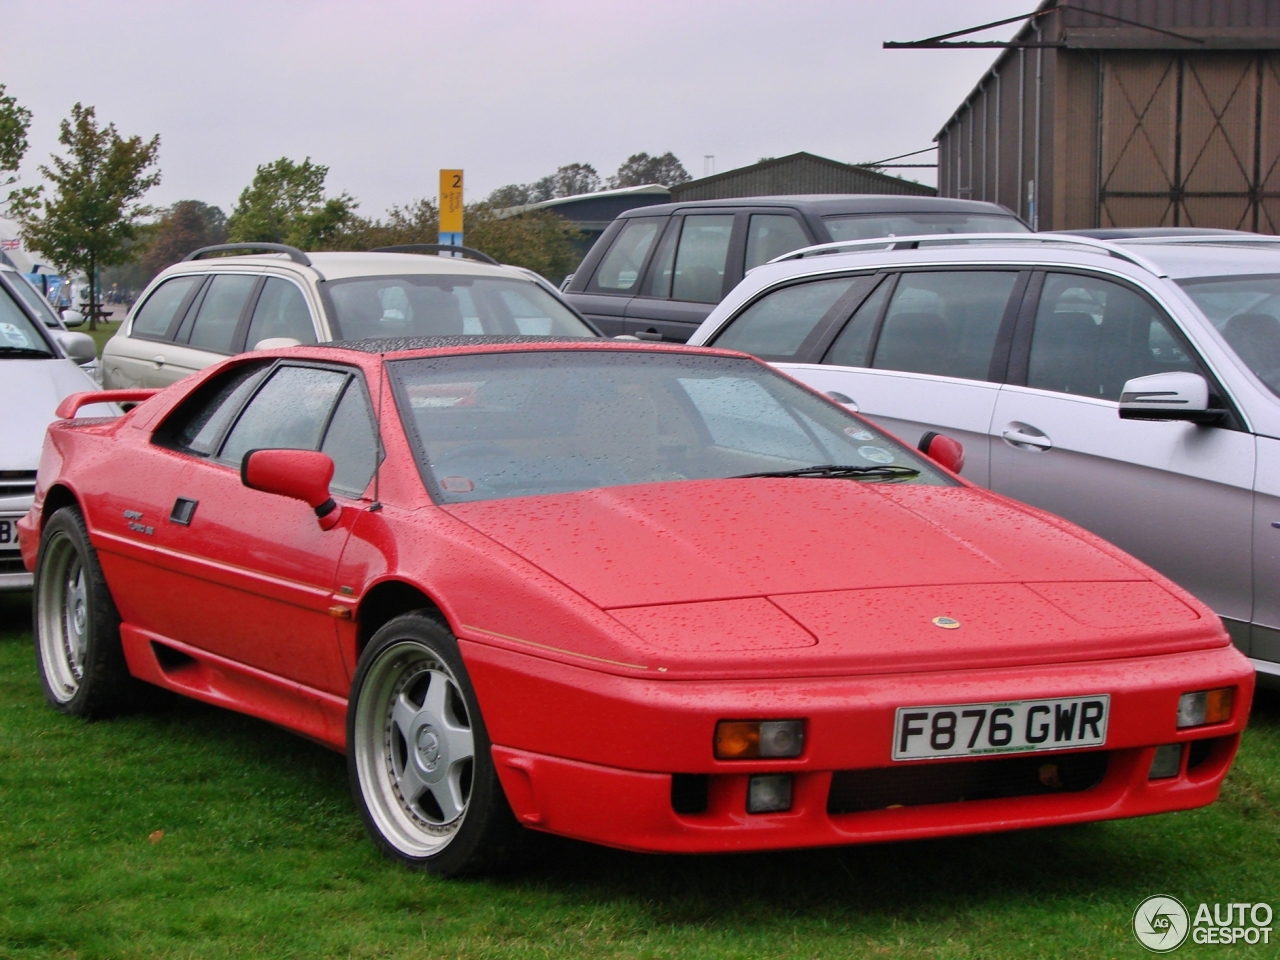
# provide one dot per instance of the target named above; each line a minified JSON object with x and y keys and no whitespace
{"x":158,"y":360}
{"x":1025,"y":437}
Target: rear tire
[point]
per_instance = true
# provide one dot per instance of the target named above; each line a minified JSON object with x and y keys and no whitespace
{"x":418,"y":755}
{"x":76,"y":626}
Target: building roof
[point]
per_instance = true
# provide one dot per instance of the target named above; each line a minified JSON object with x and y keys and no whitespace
{"x":796,"y":173}
{"x":1122,"y":25}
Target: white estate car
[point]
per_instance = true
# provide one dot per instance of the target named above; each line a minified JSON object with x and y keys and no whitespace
{"x":1130,"y":386}
{"x":38,"y":367}
{"x":199,"y":311}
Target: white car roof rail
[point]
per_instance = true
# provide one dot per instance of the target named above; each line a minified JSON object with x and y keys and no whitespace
{"x":874,"y":244}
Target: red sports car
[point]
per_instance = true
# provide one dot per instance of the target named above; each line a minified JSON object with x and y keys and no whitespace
{"x":660,"y":598}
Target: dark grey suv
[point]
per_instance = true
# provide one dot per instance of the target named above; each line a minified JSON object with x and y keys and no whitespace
{"x":656,"y":272}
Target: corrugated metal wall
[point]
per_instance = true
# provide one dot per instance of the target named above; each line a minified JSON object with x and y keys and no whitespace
{"x":1121,"y":126}
{"x":795,"y":175}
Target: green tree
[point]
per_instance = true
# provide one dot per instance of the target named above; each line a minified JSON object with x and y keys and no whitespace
{"x":286,"y":204}
{"x":93,"y":215}
{"x":640,"y":169}
{"x":568,"y":181}
{"x":185,"y":226}
{"x":15,"y":120}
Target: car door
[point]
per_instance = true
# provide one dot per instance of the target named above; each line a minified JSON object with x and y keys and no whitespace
{"x":137,"y":359}
{"x":617,"y":278}
{"x":689,"y":275}
{"x":258,"y":567}
{"x":209,"y":331}
{"x":1176,"y":495}
{"x":925,"y":351}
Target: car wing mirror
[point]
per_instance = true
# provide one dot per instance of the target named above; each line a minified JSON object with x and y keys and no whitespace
{"x":79,"y":347}
{"x":943,"y":450}
{"x":1168,"y":396}
{"x":301,"y":474}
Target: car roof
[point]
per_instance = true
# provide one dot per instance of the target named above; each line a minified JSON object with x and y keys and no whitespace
{"x":345,"y":265}
{"x":1207,"y":258}
{"x":403,"y":348}
{"x":830,"y":204}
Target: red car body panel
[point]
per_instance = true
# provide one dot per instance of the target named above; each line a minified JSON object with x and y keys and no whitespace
{"x":607,"y":631}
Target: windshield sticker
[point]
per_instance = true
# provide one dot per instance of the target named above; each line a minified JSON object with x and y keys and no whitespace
{"x":859,"y":434}
{"x":13,"y":335}
{"x":875,"y":454}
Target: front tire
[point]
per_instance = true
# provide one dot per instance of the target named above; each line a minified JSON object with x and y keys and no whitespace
{"x":76,"y":625}
{"x":418,"y":755}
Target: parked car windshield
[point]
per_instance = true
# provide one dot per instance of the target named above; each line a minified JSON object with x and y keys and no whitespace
{"x":495,"y":425}
{"x":36,"y":301}
{"x":869,"y":226}
{"x":18,"y":335}
{"x":436,"y":305}
{"x":1246,"y":311}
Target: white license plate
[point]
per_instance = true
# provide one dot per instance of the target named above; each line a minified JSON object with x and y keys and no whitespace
{"x":8,"y":533}
{"x":1017,"y":726}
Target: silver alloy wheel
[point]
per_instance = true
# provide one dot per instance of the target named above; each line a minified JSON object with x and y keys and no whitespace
{"x":63,"y":606}
{"x":414,"y":749}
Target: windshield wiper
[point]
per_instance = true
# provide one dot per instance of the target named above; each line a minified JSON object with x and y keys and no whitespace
{"x":24,"y":352}
{"x":887,"y":471}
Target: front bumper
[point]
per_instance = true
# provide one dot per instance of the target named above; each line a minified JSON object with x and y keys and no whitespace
{"x":592,"y":756}
{"x":13,"y":574}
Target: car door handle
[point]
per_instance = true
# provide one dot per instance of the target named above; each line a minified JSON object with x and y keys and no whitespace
{"x":158,"y":360}
{"x":1025,"y":437}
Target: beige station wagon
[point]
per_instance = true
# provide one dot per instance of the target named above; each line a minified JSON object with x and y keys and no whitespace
{"x":201,"y":310}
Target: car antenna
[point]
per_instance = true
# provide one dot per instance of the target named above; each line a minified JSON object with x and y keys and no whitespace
{"x":378,"y":454}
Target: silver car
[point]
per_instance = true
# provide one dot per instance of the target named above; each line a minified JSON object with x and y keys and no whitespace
{"x":38,"y":367}
{"x":1132,"y":386}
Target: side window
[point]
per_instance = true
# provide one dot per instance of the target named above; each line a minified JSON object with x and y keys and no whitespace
{"x":281,"y":311}
{"x":156,"y":315}
{"x":1091,"y":335}
{"x":619,"y":271}
{"x":290,"y":412}
{"x":664,"y":263}
{"x":351,"y":441}
{"x":771,"y":235}
{"x":944,"y":323}
{"x":701,"y":257}
{"x":776,"y":325}
{"x":850,"y":347}
{"x":200,"y":423}
{"x":219,"y":315}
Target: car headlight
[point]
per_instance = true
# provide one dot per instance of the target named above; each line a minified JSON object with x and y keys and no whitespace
{"x":1203,"y":707}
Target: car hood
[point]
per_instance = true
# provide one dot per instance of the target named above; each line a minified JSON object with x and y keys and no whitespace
{"x":30,"y":391}
{"x":727,"y":571}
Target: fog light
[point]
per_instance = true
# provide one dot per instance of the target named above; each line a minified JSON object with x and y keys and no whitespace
{"x":750,"y":739}
{"x":1205,"y":706}
{"x":769,"y":793}
{"x":1166,"y":762}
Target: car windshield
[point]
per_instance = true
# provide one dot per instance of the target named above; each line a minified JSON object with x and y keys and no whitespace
{"x":36,"y":301}
{"x":435,"y":305}
{"x":1246,"y":311}
{"x":867,"y":226}
{"x":19,"y":337}
{"x":511,"y":424}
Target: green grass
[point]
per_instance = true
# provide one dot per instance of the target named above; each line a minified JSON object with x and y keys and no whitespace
{"x":106,"y":330}
{"x":263,"y":855}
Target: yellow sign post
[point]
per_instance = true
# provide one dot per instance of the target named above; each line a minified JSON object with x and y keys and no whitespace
{"x":451,"y":207}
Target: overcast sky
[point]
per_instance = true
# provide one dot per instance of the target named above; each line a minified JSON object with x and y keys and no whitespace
{"x":386,"y":93}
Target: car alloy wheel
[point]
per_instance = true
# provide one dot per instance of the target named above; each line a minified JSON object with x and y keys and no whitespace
{"x":416,"y":743}
{"x":418,"y":754}
{"x":77,"y":628}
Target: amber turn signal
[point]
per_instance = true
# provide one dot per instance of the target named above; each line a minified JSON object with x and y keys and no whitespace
{"x":1205,"y":706}
{"x":753,"y":739}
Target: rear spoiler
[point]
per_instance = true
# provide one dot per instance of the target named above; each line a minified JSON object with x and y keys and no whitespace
{"x":69,"y":405}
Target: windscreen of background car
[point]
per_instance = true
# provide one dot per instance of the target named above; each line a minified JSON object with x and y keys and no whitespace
{"x":498,"y":425}
{"x":868,"y":226}
{"x":36,"y":301}
{"x":434,"y":305}
{"x":18,"y":335}
{"x":1246,"y":311}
